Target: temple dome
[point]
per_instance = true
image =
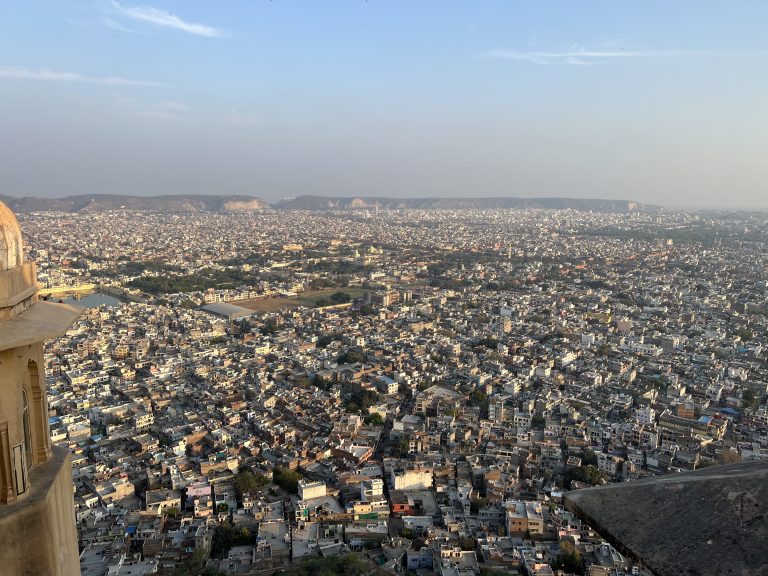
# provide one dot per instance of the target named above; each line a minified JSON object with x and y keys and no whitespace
{"x":11,"y":247}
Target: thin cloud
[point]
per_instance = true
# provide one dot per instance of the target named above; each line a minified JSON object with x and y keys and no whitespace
{"x":579,"y":62}
{"x":164,"y":115}
{"x":165,"y":19}
{"x":173,"y":105}
{"x":113,"y":25}
{"x":46,"y":75}
{"x":179,"y":112}
{"x":579,"y":56}
{"x":162,"y":110}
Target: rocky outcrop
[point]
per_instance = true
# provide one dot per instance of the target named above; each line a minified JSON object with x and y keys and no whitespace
{"x":708,"y":522}
{"x":103,"y":202}
{"x":203,"y":203}
{"x":245,"y":205}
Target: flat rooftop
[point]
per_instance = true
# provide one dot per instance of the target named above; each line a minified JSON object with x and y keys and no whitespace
{"x":225,"y":310}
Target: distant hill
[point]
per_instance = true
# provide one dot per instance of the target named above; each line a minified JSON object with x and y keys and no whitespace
{"x":210,"y":203}
{"x":102,"y":202}
{"x":371,"y":202}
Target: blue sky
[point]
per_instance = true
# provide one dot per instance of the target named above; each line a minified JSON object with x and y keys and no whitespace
{"x":662,"y":102}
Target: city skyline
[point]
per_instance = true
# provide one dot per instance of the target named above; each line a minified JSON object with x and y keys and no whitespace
{"x":247,"y":387}
{"x":658,"y":104}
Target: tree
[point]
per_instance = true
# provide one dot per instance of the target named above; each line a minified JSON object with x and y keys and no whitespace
{"x":476,"y":503}
{"x":367,"y":310}
{"x":347,"y":565}
{"x":288,"y":480}
{"x":749,"y":399}
{"x":745,"y":334}
{"x":351,"y":357}
{"x":588,"y":457}
{"x":538,"y":422}
{"x":374,"y":419}
{"x":247,"y":481}
{"x":478,"y":398}
{"x":270,"y":327}
{"x":342,"y":280}
{"x":401,"y":447}
{"x":244,"y":326}
{"x":488,"y":343}
{"x":340,"y":298}
{"x":197,"y":560}
{"x":322,"y":382}
{"x":226,"y":536}
{"x":323,"y":341}
{"x":586,"y":474}
{"x":569,"y":559}
{"x":368,"y":398}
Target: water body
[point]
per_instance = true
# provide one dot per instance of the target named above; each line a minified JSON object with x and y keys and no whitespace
{"x":93,"y":300}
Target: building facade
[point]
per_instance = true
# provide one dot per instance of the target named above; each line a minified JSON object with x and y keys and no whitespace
{"x":36,"y":503}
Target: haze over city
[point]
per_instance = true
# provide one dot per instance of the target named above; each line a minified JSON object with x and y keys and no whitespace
{"x":655,"y":102}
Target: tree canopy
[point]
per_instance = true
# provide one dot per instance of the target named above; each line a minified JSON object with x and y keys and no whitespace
{"x":569,"y":559}
{"x":247,"y":481}
{"x":587,"y":474}
{"x":288,"y":480}
{"x":347,"y":565}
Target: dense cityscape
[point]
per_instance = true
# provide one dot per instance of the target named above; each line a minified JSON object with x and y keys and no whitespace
{"x":392,"y":391}
{"x":383,"y":288}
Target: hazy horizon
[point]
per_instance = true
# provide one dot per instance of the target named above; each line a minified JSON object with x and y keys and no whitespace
{"x":657,"y":103}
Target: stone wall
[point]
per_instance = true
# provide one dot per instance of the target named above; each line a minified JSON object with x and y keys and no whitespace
{"x":38,"y":531}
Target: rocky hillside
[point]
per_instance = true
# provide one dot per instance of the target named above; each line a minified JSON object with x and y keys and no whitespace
{"x":205,"y":203}
{"x":711,"y":521}
{"x":341,"y":203}
{"x":102,"y":202}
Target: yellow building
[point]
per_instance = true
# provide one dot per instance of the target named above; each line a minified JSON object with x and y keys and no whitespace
{"x":37,"y":519}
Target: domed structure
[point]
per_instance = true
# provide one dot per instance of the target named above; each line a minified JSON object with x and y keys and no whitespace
{"x":36,"y":504}
{"x":11,"y":247}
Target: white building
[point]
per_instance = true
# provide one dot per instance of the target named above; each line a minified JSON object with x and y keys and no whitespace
{"x":412,"y":479}
{"x":308,"y":490}
{"x":646,"y":416}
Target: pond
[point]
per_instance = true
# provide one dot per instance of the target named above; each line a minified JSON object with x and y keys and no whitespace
{"x":93,"y":300}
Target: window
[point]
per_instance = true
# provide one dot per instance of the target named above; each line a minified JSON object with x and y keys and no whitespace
{"x":27,"y":432}
{"x":19,"y":469}
{"x":22,"y":453}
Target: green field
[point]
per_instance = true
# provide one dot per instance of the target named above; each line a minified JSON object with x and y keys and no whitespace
{"x":308,"y":299}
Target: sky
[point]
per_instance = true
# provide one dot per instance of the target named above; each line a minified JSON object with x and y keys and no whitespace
{"x":658,"y":102}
